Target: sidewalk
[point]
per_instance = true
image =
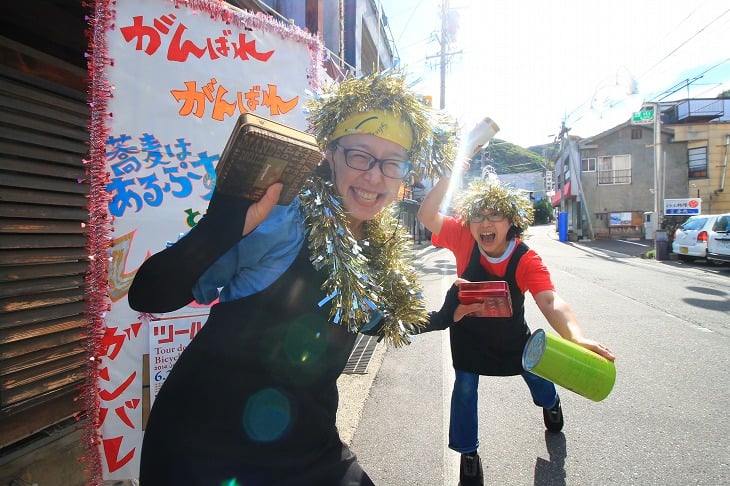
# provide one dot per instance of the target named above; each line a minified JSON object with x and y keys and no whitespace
{"x":355,"y":388}
{"x":629,"y":247}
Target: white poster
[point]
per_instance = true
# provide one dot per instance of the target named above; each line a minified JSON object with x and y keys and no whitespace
{"x":172,"y":79}
{"x":168,"y":339}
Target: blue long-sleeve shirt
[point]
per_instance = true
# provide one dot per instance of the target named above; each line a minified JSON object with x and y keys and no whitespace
{"x":257,"y":260}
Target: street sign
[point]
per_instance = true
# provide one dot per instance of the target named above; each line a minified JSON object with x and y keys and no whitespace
{"x":680,"y":207}
{"x":643,"y":117}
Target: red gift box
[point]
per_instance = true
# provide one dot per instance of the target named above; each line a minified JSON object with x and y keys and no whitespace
{"x":494,"y":295}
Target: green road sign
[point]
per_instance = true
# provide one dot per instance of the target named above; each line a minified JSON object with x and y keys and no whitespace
{"x":643,"y":116}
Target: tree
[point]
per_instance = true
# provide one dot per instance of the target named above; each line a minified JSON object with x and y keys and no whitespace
{"x":507,"y":158}
{"x":543,"y":212}
{"x":724,"y":94}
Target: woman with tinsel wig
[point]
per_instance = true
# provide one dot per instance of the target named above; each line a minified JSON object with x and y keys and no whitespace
{"x":485,"y":238}
{"x":253,"y":398}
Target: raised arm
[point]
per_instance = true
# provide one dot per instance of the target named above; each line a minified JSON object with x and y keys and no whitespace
{"x":428,"y":213}
{"x":477,"y":138}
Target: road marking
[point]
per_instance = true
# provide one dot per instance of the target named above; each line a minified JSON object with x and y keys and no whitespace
{"x":634,"y":243}
{"x":451,"y":460}
{"x":451,"y":463}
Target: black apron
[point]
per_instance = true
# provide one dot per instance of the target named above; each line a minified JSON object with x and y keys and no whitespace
{"x":253,"y":398}
{"x":491,"y":346}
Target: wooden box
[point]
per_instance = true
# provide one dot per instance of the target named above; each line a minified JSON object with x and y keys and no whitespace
{"x":260,"y":152}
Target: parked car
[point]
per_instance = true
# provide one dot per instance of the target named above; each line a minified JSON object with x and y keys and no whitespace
{"x":718,"y":246}
{"x":690,"y":239}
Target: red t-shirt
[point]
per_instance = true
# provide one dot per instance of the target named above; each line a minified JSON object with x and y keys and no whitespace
{"x":531,"y":274}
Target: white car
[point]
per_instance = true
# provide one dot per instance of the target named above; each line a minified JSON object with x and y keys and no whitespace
{"x":690,"y":239}
{"x":718,"y":247}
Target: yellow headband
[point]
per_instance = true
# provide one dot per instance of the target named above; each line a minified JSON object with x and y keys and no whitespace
{"x":380,"y":123}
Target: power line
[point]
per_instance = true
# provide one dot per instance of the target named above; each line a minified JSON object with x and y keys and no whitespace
{"x":667,"y":56}
{"x":685,"y":42}
{"x":668,"y":92}
{"x":666,"y":35}
{"x":413,"y":13}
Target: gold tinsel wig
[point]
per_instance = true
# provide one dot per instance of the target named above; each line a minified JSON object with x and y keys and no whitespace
{"x":494,"y":195}
{"x":433,"y":135}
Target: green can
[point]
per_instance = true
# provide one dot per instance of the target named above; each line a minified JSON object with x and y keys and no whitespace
{"x":569,"y":365}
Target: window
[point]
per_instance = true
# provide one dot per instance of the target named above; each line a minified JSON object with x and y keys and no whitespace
{"x":697,"y":160}
{"x":636,"y":133}
{"x":614,"y":169}
{"x":588,"y":165}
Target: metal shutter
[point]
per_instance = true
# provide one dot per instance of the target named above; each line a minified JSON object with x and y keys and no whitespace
{"x":43,"y":257}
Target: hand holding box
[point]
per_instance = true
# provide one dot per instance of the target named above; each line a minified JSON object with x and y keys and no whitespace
{"x":494,"y":296}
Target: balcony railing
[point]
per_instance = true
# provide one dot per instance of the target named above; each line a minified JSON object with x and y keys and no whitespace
{"x":695,"y":111}
{"x":614,"y":176}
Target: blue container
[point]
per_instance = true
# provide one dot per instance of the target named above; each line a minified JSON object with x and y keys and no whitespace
{"x":563,"y":226}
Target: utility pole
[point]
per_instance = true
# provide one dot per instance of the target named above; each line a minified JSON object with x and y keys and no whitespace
{"x":449,"y":27}
{"x":658,"y":173}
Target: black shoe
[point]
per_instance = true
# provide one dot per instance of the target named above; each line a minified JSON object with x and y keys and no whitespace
{"x":471,"y":470}
{"x":553,"y":417}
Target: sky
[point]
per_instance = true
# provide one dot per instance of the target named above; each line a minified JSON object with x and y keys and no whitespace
{"x":531,"y":65}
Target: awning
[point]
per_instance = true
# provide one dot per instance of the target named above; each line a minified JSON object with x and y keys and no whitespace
{"x":565,"y":192}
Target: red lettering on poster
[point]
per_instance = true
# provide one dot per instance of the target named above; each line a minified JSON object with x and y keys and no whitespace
{"x":148,"y":38}
{"x":111,"y":395}
{"x":122,"y":414}
{"x":179,"y":49}
{"x":112,"y":448}
{"x":114,"y":342}
{"x":168,"y":332}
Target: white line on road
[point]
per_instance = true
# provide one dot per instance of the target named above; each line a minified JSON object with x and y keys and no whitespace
{"x":634,"y":243}
{"x":451,"y":465}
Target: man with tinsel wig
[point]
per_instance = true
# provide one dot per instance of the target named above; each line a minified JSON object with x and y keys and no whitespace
{"x":486,"y":239}
{"x":253,"y":398}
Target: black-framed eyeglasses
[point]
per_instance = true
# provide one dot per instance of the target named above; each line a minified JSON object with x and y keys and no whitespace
{"x":360,"y":160}
{"x":495,"y":217}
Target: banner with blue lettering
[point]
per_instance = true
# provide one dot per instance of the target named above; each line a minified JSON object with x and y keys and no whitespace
{"x":168,"y":81}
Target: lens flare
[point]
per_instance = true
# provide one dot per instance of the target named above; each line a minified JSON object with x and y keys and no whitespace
{"x":267,"y":415}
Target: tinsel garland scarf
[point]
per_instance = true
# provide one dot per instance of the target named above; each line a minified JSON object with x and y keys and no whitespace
{"x":366,"y":277}
{"x":374,"y":275}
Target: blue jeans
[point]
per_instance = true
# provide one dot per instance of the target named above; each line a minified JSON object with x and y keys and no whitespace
{"x":464,"y":421}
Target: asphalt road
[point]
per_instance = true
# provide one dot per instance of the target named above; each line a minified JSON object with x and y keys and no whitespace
{"x":665,"y":422}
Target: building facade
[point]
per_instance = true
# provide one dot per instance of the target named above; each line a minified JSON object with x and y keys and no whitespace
{"x":703,"y":126}
{"x":607,"y":184}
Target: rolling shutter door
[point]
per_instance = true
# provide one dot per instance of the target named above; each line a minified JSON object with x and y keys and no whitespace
{"x":43,"y":256}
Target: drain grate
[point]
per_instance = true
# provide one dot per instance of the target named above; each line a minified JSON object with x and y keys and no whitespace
{"x":362,"y":352}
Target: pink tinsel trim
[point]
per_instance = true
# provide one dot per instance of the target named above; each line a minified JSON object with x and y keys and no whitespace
{"x":98,"y":242}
